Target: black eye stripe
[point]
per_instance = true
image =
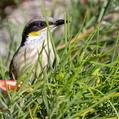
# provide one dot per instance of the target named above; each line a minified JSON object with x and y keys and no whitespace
{"x":37,"y":25}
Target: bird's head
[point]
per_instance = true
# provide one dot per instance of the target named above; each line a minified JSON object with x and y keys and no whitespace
{"x":38,"y":28}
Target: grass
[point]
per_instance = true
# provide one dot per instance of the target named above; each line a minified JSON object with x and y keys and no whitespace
{"x":85,"y":83}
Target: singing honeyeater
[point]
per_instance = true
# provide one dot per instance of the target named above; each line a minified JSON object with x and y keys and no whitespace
{"x":35,"y":51}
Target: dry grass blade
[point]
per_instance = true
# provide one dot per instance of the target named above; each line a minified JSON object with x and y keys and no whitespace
{"x":77,"y":37}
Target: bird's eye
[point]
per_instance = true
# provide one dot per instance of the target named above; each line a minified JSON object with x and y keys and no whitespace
{"x":42,"y":24}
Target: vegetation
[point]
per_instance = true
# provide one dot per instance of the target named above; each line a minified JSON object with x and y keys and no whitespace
{"x":85,"y":82}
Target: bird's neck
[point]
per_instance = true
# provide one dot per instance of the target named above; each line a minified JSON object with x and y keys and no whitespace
{"x":36,"y":39}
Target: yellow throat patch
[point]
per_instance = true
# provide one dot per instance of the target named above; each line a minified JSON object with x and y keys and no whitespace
{"x":34,"y":33}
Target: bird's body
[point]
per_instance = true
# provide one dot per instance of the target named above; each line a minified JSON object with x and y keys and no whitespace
{"x":35,"y":52}
{"x":26,"y":59}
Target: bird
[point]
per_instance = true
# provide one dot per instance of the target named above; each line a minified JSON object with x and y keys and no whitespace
{"x":36,"y":51}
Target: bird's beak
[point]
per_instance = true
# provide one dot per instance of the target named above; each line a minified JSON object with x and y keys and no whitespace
{"x":60,"y":22}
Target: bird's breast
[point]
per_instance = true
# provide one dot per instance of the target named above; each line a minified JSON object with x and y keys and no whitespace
{"x":30,"y":55}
